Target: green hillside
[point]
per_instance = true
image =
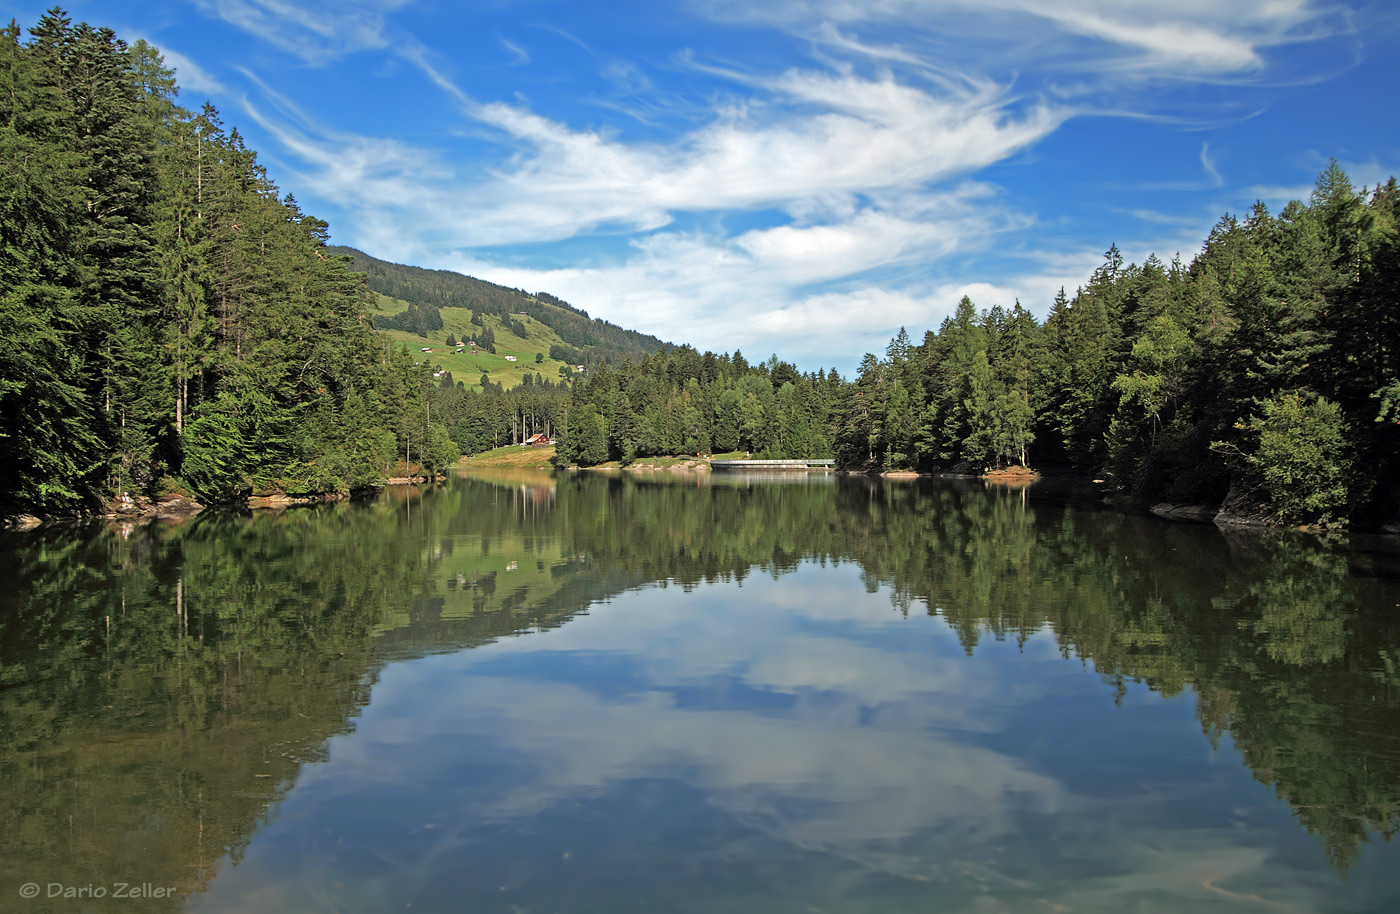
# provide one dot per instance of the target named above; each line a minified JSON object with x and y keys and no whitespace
{"x":468,"y":364}
{"x":422,"y":307}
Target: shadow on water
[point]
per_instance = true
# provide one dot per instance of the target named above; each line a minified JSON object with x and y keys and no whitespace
{"x":162,"y":686}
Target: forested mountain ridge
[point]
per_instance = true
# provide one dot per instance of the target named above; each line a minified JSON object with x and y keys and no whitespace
{"x":171,"y":321}
{"x":587,"y":341}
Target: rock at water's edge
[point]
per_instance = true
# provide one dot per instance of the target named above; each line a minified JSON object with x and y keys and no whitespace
{"x":1198,"y":513}
{"x":1244,"y":509}
{"x":175,"y":506}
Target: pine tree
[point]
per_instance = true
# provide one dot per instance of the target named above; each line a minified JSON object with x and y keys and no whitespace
{"x":978,"y":446}
{"x":51,"y":457}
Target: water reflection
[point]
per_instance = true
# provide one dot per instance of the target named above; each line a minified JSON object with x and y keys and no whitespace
{"x":745,"y":723}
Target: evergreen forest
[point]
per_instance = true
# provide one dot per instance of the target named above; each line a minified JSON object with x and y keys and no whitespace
{"x":1264,"y":374}
{"x":171,"y":321}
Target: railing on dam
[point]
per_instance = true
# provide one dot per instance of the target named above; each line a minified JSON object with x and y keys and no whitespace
{"x":772,"y":464}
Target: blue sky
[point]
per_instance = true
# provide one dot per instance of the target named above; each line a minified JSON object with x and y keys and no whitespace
{"x":793,"y":177}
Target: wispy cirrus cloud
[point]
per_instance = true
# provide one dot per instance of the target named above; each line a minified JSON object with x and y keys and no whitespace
{"x":519,"y":56}
{"x":317,"y":31}
{"x":191,"y":76}
{"x":859,"y":136}
{"x":1192,"y":38}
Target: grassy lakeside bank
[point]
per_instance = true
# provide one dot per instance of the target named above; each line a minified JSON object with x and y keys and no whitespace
{"x":513,"y":456}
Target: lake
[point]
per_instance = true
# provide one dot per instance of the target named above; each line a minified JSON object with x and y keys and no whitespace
{"x":517,"y":692}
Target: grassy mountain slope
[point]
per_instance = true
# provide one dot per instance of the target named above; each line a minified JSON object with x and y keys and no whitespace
{"x":412,"y":300}
{"x":468,"y":365}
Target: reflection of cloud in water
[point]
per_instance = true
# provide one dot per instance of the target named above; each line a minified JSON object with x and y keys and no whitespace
{"x":818,"y":723}
{"x":834,"y":782}
{"x":791,"y":636}
{"x":865,"y":674}
{"x":816,"y":771}
{"x":719,"y":628}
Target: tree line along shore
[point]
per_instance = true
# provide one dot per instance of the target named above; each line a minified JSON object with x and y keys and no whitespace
{"x":1262,"y":378}
{"x":175,"y":324}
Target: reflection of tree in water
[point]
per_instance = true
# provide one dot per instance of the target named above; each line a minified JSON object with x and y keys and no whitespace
{"x":1298,"y":612}
{"x":1280,"y":641}
{"x":161,"y":686}
{"x":1300,"y":693}
{"x":159,"y":689}
{"x":1272,"y":633}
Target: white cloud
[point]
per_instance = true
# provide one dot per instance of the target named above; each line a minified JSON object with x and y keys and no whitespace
{"x":190,"y":76}
{"x":1370,"y":174}
{"x":318,"y":31}
{"x":747,"y":291}
{"x":714,"y":293}
{"x":750,"y":292}
{"x":861,"y":136}
{"x":1190,"y":38}
{"x":867,"y":169}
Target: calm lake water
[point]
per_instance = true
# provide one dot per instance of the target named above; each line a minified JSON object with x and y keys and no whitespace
{"x":528,"y":693}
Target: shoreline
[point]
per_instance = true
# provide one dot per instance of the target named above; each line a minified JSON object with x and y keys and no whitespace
{"x":176,"y":507}
{"x":1224,"y":516}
